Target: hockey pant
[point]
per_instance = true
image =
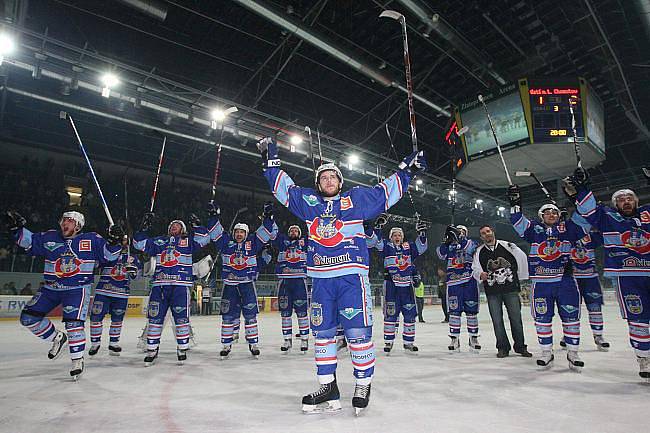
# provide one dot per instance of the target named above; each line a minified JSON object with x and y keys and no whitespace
{"x":176,"y":298}
{"x":545,"y":297}
{"x":292,"y":296}
{"x":347,"y":300}
{"x":463,"y":298}
{"x":399,"y":299}
{"x":74,"y":307}
{"x":238,"y":299}
{"x":592,"y":295}
{"x":102,"y":305}
{"x":633,"y":295}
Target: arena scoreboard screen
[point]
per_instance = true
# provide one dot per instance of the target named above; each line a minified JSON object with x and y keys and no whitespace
{"x":550,"y":106}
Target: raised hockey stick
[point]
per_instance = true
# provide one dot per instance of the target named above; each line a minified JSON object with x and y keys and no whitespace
{"x":63,"y":115}
{"x":541,"y":185}
{"x":416,"y":214}
{"x":311,"y":149}
{"x":496,"y":140}
{"x":452,"y":158}
{"x":407,"y":67}
{"x":646,"y":174}
{"x":573,"y":100}
{"x":155,"y":184}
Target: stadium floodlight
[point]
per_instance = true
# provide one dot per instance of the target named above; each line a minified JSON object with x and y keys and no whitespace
{"x":418,"y":182}
{"x":7,"y":46}
{"x":219,"y":115}
{"x":353,"y":159}
{"x":479,"y":201}
{"x":109,"y":80}
{"x":501,"y":208}
{"x":295,"y":140}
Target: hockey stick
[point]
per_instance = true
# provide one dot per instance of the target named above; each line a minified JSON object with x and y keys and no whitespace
{"x":320,"y":151}
{"x":452,"y":158}
{"x":155,"y":184}
{"x":573,"y":100}
{"x":311,"y":149}
{"x":496,"y":140}
{"x":217,"y":169}
{"x":646,"y":174}
{"x":63,"y":115}
{"x":407,"y":66}
{"x":541,"y":185}
{"x":416,"y":214}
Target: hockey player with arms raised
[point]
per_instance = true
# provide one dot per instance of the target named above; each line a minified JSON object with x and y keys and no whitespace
{"x":171,"y":281}
{"x":398,"y":257}
{"x":337,"y":262}
{"x":626,"y":235}
{"x":239,"y":271}
{"x":291,"y":270}
{"x":70,"y":258}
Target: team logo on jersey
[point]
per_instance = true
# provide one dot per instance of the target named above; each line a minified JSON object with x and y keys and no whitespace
{"x":237,"y":261}
{"x":316,"y":314}
{"x":51,"y":246}
{"x":283,"y":302}
{"x":169,"y":257}
{"x":637,"y":240}
{"x":403,"y":262}
{"x":294,"y":255}
{"x":67,"y":265}
{"x":452,"y":302}
{"x":549,"y":250}
{"x":346,"y":203}
{"x":634,"y":304}
{"x":540,"y":306}
{"x":98,"y":306}
{"x":225,"y":306}
{"x":85,"y":245}
{"x":350,"y":312}
{"x":327,"y":234}
{"x":457,"y":262}
{"x":153,"y":309}
{"x":117,"y":272}
{"x":569,"y":308}
{"x":579,"y":255}
{"x":68,"y":309}
{"x":390,"y":309}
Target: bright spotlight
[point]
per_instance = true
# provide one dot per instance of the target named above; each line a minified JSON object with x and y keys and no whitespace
{"x":218,"y":115}
{"x":501,"y":208}
{"x":418,"y":182}
{"x":353,"y":159}
{"x":7,"y":46}
{"x":295,"y":140}
{"x":479,"y":201}
{"x":109,"y":80}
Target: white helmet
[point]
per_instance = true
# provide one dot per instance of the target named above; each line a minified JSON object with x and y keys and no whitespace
{"x":181,"y":223}
{"x":326,"y":167}
{"x":396,"y":230}
{"x":545,"y":207}
{"x":241,"y":226}
{"x":295,"y":227}
{"x":78,"y":217}
{"x":462,"y":228}
{"x":622,"y":192}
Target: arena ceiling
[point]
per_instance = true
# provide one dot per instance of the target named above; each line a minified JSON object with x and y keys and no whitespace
{"x":325,"y":64}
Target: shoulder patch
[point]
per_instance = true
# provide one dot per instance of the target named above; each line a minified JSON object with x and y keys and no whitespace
{"x":160,"y":242}
{"x":645,"y":217}
{"x":85,"y":245}
{"x":346,"y":203}
{"x":51,"y":246}
{"x":311,"y":199}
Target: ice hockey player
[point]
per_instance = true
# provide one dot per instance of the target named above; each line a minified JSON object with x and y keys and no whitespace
{"x":337,"y":262}
{"x":70,"y":257}
{"x":112,"y":296}
{"x":291,"y":270}
{"x":626,"y":236}
{"x":550,"y":271}
{"x":239,"y":270}
{"x":398,"y":257}
{"x":172,"y":280}
{"x":462,"y":291}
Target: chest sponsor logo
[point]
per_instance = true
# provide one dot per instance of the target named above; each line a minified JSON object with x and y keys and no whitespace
{"x":331,"y":260}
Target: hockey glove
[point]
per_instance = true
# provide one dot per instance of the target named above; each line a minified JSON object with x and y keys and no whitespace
{"x":452,"y":235}
{"x":564,"y":213}
{"x":514,"y":195}
{"x":194,"y":220}
{"x":115,"y":235}
{"x":414,"y":163}
{"x":147,"y":219}
{"x":421,"y":228}
{"x":14,"y":221}
{"x":580,"y":178}
{"x":268,"y":210}
{"x":569,"y":188}
{"x":213,"y":209}
{"x":381,"y":221}
{"x":416,"y":279}
{"x":269,"y":151}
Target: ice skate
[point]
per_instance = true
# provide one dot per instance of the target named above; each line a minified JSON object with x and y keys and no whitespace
{"x":388,"y":346}
{"x":474,"y":344}
{"x":225,"y":351}
{"x":644,"y":367}
{"x":57,"y":344}
{"x":286,"y":346}
{"x":77,"y":368}
{"x":411,"y":348}
{"x":304,"y":346}
{"x":454,"y":345}
{"x":93,"y":349}
{"x":151,"y":357}
{"x":255,"y":350}
{"x":361,"y":398}
{"x":341,"y":343}
{"x":325,"y":400}
{"x":546,"y":359}
{"x":563,"y":343}
{"x":114,"y":350}
{"x":601,"y":344}
{"x":575,"y":363}
{"x":181,"y":354}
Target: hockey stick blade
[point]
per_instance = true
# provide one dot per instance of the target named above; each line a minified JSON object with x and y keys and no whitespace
{"x":391,"y":14}
{"x":462,"y":131}
{"x":522,"y":173}
{"x":63,"y":115}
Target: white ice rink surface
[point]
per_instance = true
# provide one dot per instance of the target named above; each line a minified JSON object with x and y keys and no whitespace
{"x":434,"y":391}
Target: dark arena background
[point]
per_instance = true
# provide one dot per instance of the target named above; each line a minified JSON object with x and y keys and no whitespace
{"x":168,"y":100}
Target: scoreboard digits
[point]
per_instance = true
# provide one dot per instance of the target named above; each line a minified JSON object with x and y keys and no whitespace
{"x":551,"y":115}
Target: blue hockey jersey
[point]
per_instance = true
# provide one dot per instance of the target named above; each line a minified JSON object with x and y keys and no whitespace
{"x":459,"y":258}
{"x":337,"y":242}
{"x":292,"y":257}
{"x":626,"y":239}
{"x":114,"y":279}
{"x":239,"y":260}
{"x":399,"y":259}
{"x":173,"y":256}
{"x":69,"y":263}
